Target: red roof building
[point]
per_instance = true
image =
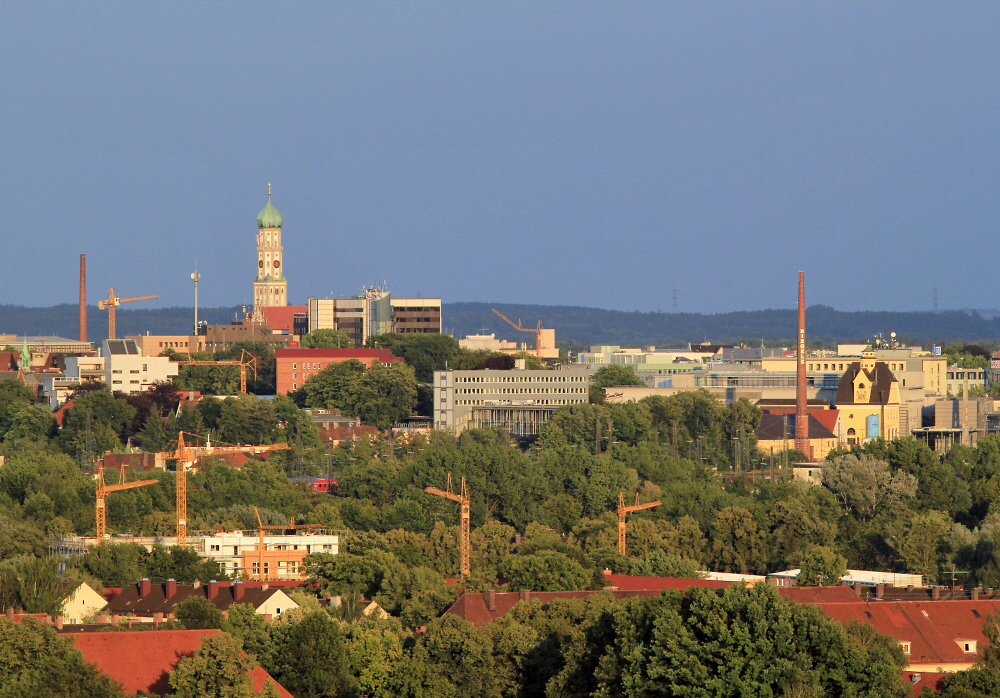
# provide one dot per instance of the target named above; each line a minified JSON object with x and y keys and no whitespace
{"x":295,"y":366}
{"x":142,"y":660}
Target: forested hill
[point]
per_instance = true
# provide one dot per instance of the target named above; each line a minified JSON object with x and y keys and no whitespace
{"x":581,"y":325}
{"x":573,"y":324}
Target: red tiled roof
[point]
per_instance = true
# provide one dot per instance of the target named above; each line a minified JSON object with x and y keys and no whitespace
{"x":933,"y":628}
{"x":828,"y":418}
{"x":627,"y":582}
{"x":142,"y":660}
{"x":344,"y":433}
{"x":475,"y":606}
{"x":60,"y":414}
{"x":918,"y":680}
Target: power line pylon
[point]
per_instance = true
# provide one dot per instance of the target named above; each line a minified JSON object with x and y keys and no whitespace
{"x":463,"y":501}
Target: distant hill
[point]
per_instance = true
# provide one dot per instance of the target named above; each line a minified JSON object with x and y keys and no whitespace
{"x":582,"y":325}
{"x":576,"y":325}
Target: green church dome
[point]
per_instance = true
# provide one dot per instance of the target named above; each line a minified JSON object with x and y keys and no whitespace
{"x":269,"y":216}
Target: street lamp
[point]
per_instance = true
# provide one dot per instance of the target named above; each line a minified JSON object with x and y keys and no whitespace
{"x":195,"y":276}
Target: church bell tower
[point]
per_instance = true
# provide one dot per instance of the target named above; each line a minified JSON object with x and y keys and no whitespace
{"x":270,"y":288}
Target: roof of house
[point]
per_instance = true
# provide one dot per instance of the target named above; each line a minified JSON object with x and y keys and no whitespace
{"x":828,"y":418}
{"x":880,"y":381}
{"x":142,"y":660}
{"x":327,"y":433}
{"x":479,"y":608}
{"x":130,"y":600}
{"x":933,"y":628}
{"x":774,"y":427}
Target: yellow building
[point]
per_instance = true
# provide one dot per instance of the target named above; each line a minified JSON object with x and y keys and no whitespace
{"x":868,"y":400}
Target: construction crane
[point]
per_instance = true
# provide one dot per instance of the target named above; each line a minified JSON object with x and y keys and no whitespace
{"x":463,"y":501}
{"x":535,"y":331}
{"x":242,"y":362}
{"x":260,"y":544}
{"x":113,"y":302}
{"x":186,"y":456}
{"x":102,"y":493}
{"x":623,"y":510}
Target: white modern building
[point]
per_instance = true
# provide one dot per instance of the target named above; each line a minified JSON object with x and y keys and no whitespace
{"x":518,"y":401}
{"x":126,"y":370}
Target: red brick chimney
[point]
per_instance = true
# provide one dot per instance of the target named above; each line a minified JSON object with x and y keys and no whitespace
{"x":238,"y":590}
{"x":145,"y":586}
{"x":524,"y":594}
{"x":801,"y":400}
{"x":171,"y":588}
{"x":490,"y":597}
{"x":213,"y":588}
{"x":935,"y":593}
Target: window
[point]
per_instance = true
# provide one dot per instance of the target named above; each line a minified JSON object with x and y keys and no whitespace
{"x":905,"y":646}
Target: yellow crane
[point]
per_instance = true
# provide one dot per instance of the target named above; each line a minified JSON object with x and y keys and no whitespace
{"x":104,"y":489}
{"x":463,"y":501}
{"x":260,"y":545}
{"x":623,"y":510}
{"x":536,"y":331}
{"x":186,"y":456}
{"x":242,"y":362}
{"x":113,"y":302}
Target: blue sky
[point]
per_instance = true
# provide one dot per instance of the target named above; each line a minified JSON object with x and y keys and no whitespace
{"x":575,"y":153}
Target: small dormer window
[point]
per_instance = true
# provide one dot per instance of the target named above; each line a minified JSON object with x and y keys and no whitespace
{"x":968,"y":646}
{"x":861,"y":386}
{"x":905,"y":646}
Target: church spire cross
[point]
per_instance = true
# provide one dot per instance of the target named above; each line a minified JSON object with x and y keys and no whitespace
{"x":269,"y":190}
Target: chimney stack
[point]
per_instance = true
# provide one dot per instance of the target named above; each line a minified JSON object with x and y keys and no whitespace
{"x":490,"y":596}
{"x":145,"y":586}
{"x":801,"y":403}
{"x":171,"y":588}
{"x":238,"y":590}
{"x":83,"y":298}
{"x":213,"y":588}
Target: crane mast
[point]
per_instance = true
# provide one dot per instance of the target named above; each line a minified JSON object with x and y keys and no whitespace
{"x":463,"y":501}
{"x":623,"y":510}
{"x":112,"y":302}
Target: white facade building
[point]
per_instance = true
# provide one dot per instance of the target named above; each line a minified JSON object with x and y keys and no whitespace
{"x":518,"y":401}
{"x":126,"y":370}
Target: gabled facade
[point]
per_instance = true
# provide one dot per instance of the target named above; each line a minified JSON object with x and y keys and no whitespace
{"x":147,"y":601}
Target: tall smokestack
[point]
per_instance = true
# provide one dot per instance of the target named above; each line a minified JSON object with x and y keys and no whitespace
{"x":83,"y":298}
{"x":801,"y":405}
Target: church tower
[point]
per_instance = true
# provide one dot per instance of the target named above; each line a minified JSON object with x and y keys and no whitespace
{"x":270,"y":288}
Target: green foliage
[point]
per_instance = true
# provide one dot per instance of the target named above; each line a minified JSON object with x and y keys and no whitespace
{"x":821,"y":566}
{"x":198,"y":613}
{"x":546,"y":570}
{"x":610,"y":377}
{"x":217,"y":670}
{"x":738,"y":642}
{"x":326,"y":339}
{"x":425,"y":353}
{"x":866,"y":486}
{"x":35,"y":661}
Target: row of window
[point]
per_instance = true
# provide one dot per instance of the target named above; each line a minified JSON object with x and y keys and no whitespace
{"x":521,"y":379}
{"x":517,"y":391}
{"x":537,"y":402}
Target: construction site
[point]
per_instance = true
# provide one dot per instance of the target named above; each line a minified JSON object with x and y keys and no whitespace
{"x":268,"y":551}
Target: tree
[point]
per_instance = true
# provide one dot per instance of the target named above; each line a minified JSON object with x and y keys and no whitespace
{"x":35,"y":661}
{"x":313,"y":662}
{"x":332,"y":387}
{"x":609,"y":377}
{"x":34,"y":585}
{"x":30,"y":422}
{"x":739,"y":642}
{"x":865,"y":486}
{"x":546,"y":570}
{"x":325,"y":338}
{"x":737,"y":544}
{"x":198,"y":613}
{"x":384,"y":394}
{"x":13,"y":396}
{"x":219,"y":669}
{"x":821,"y":566}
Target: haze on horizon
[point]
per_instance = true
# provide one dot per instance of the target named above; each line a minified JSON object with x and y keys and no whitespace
{"x":592,"y":154}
